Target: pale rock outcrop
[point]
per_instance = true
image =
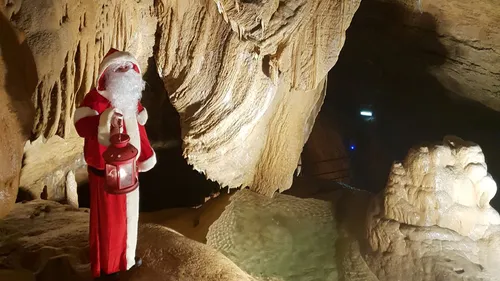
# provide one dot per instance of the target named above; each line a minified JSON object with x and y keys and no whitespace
{"x":284,"y":237}
{"x":17,"y":82}
{"x":445,"y":185}
{"x":469,"y":31}
{"x":47,"y":164}
{"x":434,"y":221}
{"x":71,"y":190}
{"x":248,"y":79}
{"x":418,"y":229}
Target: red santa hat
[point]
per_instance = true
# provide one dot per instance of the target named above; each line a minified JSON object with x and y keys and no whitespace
{"x":114,"y":57}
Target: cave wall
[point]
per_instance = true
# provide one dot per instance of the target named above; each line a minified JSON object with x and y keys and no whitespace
{"x":249,"y":82}
{"x":397,"y":75}
{"x":470,"y":43}
{"x":247,"y":79}
{"x":67,"y":40}
{"x":326,"y":153}
{"x":17,"y":82}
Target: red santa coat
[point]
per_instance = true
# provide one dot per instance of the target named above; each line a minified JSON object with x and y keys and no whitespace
{"x":113,"y":218}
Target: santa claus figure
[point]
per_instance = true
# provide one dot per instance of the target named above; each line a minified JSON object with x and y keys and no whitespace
{"x":113,"y":218}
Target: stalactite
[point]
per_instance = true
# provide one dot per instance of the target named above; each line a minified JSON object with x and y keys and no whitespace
{"x":66,"y":69}
{"x":243,"y":116}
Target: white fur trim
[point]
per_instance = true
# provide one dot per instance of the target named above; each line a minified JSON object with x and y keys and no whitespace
{"x":142,"y":117}
{"x":148,"y":164}
{"x":104,"y":94}
{"x":104,"y":130}
{"x":117,"y":57}
{"x":133,"y":132}
{"x":83,"y":112}
{"x":132,"y":225}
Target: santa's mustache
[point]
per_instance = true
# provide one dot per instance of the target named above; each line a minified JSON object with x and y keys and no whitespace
{"x":124,"y":90}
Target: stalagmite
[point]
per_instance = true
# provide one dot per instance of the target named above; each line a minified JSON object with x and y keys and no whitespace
{"x":433,"y":222}
{"x":71,"y":190}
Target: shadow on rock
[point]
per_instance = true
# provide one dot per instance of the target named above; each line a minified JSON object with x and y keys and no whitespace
{"x":18,"y":79}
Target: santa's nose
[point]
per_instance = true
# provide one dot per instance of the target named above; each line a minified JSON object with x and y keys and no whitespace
{"x":123,"y":68}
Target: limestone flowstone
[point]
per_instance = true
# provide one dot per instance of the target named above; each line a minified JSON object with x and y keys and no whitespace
{"x":248,"y":79}
{"x":434,"y":221}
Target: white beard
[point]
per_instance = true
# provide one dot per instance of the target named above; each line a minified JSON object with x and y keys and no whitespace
{"x":124,"y":90}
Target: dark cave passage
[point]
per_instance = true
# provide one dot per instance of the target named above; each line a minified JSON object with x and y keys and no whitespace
{"x":387,"y":64}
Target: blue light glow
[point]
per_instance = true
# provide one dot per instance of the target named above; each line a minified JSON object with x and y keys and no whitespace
{"x":352,"y":147}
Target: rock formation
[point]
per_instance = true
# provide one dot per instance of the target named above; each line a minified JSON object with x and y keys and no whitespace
{"x":432,"y":222}
{"x":248,"y":80}
{"x":49,"y":241}
{"x":71,"y":190}
{"x":17,"y":82}
{"x":45,"y":165}
{"x":458,"y":41}
{"x":284,"y":237}
{"x":469,"y":32}
{"x":445,"y":185}
{"x":67,"y":40}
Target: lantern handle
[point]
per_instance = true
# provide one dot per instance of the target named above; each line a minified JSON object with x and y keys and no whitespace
{"x":118,"y":121}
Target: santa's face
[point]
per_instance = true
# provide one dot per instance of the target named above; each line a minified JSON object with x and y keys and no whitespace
{"x":124,"y":87}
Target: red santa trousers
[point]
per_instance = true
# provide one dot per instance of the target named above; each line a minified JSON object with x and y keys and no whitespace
{"x":113,"y":218}
{"x":113,"y":228}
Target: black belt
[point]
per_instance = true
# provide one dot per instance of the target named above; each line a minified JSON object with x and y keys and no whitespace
{"x":97,"y":172}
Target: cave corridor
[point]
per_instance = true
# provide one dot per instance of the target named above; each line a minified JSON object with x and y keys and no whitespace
{"x":423,"y":225}
{"x":392,"y":77}
{"x":387,"y":66}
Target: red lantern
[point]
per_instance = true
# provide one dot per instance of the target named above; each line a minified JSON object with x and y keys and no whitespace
{"x":120,"y":158}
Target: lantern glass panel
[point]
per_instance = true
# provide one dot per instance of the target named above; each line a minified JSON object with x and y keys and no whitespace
{"x":126,"y":175}
{"x":111,"y":175}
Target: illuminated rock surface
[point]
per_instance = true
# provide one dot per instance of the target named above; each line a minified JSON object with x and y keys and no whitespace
{"x":49,"y":241}
{"x":284,"y":237}
{"x":469,"y":32}
{"x":432,"y":222}
{"x":248,"y":80}
{"x":444,"y":185}
{"x":338,"y":233}
{"x":68,"y":39}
